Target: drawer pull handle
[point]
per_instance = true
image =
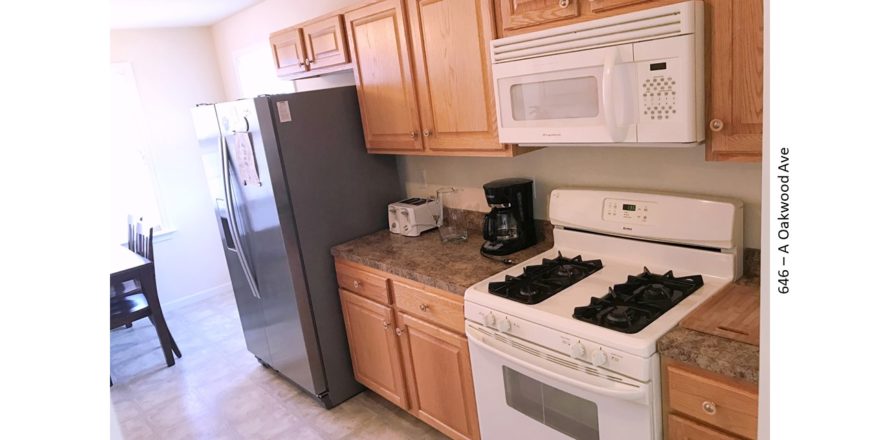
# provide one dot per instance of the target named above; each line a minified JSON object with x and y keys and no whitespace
{"x":716,"y":125}
{"x":709,"y":407}
{"x":385,"y":325}
{"x":357,"y":284}
{"x":423,"y":307}
{"x":398,"y":331}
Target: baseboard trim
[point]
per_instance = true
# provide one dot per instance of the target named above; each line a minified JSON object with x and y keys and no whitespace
{"x":225,"y":288}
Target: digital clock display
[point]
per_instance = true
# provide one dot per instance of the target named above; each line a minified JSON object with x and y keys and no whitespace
{"x":627,"y":207}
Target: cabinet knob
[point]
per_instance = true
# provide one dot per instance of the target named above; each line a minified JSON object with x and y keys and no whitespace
{"x":423,"y":307}
{"x":398,"y":331}
{"x":357,"y":284}
{"x":709,"y":407}
{"x":386,"y":325}
{"x":427,"y":133}
{"x":716,"y":125}
{"x":413,"y":134}
{"x":563,"y":3}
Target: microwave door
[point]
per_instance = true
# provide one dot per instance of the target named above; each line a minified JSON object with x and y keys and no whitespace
{"x":578,"y":97}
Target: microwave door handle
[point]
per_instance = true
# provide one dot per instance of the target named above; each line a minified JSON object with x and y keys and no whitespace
{"x":614,"y":130}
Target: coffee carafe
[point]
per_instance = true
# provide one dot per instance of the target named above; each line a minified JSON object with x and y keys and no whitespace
{"x":510,"y":225}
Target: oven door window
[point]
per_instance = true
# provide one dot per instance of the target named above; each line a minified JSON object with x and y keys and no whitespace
{"x":569,"y":98}
{"x":564,"y":412}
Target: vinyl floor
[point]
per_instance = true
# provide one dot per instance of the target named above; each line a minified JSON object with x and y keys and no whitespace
{"x":218,"y":390}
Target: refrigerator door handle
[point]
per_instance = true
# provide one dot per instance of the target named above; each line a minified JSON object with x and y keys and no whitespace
{"x":242,"y":258}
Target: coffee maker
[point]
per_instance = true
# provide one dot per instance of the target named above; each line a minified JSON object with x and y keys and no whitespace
{"x":510,"y":225}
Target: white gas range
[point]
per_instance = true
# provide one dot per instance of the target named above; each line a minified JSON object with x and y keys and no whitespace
{"x":540,"y":372}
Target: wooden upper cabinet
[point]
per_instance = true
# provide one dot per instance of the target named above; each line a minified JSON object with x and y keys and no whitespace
{"x":519,"y":17}
{"x":518,"y":14}
{"x":453,"y":73}
{"x":375,"y":353}
{"x":607,"y":5}
{"x":377,"y":38}
{"x":288,"y":52}
{"x":438,"y":373}
{"x":325,"y":43}
{"x":735,"y":75}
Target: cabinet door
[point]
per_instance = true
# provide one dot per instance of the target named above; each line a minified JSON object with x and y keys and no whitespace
{"x":516,"y":14}
{"x":450,"y":41}
{"x":287,"y":51}
{"x":438,"y":372}
{"x":607,"y":5}
{"x":325,"y":43}
{"x":735,"y":57}
{"x":679,"y":428}
{"x":375,"y":354}
{"x":377,"y":38}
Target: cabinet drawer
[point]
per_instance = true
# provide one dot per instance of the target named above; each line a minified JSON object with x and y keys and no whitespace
{"x":429,"y":306}
{"x":679,"y":428}
{"x":719,"y":402}
{"x":363,"y":283}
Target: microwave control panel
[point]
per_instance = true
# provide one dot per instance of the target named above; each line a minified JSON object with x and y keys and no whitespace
{"x":629,"y":211}
{"x":659,"y":93}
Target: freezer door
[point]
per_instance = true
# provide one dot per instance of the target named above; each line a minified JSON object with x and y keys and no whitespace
{"x":264,"y":221}
{"x":249,"y":306}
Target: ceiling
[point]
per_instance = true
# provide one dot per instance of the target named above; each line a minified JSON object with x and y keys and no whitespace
{"x":126,"y":14}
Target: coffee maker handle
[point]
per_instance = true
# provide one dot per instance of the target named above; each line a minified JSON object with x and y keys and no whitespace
{"x":488,"y":227}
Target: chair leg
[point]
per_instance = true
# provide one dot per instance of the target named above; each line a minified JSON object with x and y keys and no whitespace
{"x":174,"y":347}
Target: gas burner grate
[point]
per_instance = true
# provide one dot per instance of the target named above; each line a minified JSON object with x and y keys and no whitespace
{"x":539,"y":282}
{"x":633,"y":305}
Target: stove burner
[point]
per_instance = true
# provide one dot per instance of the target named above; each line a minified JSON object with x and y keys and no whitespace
{"x":528,"y":290}
{"x":619,"y":315}
{"x":654,"y":292}
{"x":541,"y":281}
{"x":631,"y":306}
{"x":566,"y":270}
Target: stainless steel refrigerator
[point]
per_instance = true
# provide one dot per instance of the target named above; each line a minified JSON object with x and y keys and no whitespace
{"x":290,"y":178}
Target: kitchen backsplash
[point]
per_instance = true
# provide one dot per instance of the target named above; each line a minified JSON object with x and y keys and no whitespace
{"x":677,"y":170}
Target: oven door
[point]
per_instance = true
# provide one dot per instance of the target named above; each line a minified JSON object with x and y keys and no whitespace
{"x":526,"y":391}
{"x":578,"y":97}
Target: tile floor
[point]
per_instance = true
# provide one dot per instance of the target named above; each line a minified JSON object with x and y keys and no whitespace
{"x":219,"y":391}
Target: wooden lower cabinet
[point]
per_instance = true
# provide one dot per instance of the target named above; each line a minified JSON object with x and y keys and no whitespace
{"x":375,"y":353}
{"x":701,"y":404}
{"x":405,"y":346}
{"x":679,"y":428}
{"x":438,"y":376}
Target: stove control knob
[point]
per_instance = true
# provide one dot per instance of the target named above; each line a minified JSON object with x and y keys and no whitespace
{"x":599,"y":358}
{"x":578,"y":350}
{"x":504,"y":325}
{"x":489,"y":319}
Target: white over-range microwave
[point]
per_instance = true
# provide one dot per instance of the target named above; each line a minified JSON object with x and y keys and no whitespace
{"x":630,"y":80}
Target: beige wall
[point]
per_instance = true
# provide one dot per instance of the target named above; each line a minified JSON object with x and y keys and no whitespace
{"x":675,"y":170}
{"x":175,"y":68}
{"x":251,"y":28}
{"x":658,"y":169}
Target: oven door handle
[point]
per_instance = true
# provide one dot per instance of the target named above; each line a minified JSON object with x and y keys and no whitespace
{"x":542,"y":367}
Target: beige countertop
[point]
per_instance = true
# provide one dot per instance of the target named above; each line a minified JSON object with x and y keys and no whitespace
{"x":714,"y":353}
{"x":452,"y":267}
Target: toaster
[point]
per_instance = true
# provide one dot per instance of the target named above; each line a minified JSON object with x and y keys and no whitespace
{"x":413,"y":216}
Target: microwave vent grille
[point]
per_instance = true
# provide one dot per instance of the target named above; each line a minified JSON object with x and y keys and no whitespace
{"x":649,"y":24}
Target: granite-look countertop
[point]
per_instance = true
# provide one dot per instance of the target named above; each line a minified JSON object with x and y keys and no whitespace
{"x":714,"y":353}
{"x":452,"y":267}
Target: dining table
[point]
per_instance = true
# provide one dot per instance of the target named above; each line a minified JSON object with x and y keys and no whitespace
{"x":126,"y":265}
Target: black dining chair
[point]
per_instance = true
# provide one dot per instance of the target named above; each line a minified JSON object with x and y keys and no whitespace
{"x":128,"y":300}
